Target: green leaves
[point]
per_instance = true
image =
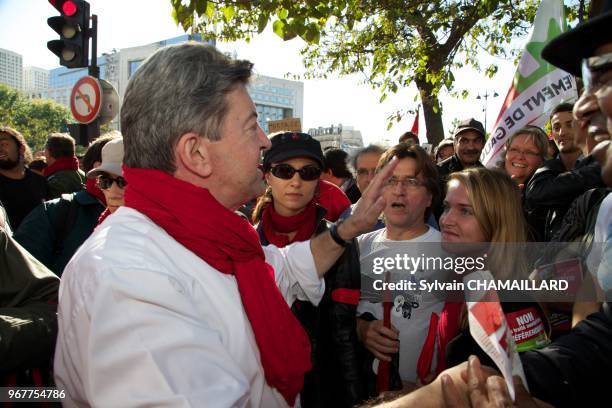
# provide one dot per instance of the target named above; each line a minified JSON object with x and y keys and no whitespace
{"x":35,"y":119}
{"x":279,"y":28}
{"x":392,"y":43}
{"x":228,"y":13}
{"x":262,"y":22}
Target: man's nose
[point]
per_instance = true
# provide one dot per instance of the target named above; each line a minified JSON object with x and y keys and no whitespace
{"x":264,"y":139}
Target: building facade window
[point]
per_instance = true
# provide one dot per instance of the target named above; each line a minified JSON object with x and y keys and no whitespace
{"x":133,"y":66}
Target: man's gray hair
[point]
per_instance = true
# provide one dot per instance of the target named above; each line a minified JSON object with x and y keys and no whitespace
{"x":177,"y":90}
{"x":369,"y":149}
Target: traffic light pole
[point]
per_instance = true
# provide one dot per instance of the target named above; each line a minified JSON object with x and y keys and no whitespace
{"x":94,"y":70}
{"x":91,"y":131}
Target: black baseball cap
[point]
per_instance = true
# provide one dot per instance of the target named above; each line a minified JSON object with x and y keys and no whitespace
{"x":567,"y":50}
{"x":469,"y":124}
{"x":288,"y":145}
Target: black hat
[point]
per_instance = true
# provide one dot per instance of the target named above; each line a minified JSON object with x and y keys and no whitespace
{"x":288,"y":145}
{"x":469,"y":124}
{"x":567,"y":50}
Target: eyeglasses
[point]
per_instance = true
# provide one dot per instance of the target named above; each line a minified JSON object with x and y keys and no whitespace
{"x":408,"y":182}
{"x":366,"y":172}
{"x":526,"y":153}
{"x":593,"y":69}
{"x":105,"y":182}
{"x":286,"y":172}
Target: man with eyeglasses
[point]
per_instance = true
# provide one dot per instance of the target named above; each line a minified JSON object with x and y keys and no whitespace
{"x":469,"y":141}
{"x":409,"y":194}
{"x":364,"y":163}
{"x":54,"y":230}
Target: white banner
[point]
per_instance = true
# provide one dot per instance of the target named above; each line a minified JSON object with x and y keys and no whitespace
{"x":537,"y":86}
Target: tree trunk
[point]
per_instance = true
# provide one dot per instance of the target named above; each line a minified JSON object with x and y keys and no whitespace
{"x":431,"y":111}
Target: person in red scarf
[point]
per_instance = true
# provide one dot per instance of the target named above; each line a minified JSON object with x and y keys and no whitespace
{"x":109,"y":177}
{"x":54,"y":230}
{"x":63,"y":173}
{"x":289,"y":212}
{"x":172,"y":300}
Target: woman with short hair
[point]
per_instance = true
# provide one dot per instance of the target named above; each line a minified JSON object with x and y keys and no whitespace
{"x":525,"y":152}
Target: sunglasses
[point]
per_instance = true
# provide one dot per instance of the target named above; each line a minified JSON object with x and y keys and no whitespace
{"x":105,"y":182}
{"x":286,"y":172}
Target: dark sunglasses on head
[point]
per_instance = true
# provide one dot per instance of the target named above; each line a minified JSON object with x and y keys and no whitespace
{"x":286,"y":172}
{"x":105,"y":182}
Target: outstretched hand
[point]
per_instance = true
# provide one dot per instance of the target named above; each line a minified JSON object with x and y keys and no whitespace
{"x":370,"y":205}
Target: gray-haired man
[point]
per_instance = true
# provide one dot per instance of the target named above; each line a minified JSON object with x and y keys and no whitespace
{"x":172,"y":301}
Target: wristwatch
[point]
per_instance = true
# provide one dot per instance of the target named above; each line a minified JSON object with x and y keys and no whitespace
{"x":333,"y":231}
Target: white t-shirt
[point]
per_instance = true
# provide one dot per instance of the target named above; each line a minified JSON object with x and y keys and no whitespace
{"x":143,"y":321}
{"x":412,"y":310}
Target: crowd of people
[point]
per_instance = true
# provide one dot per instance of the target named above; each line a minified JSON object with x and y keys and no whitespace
{"x":192,"y":260}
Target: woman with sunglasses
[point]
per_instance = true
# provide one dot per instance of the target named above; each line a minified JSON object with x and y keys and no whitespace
{"x":54,"y":230}
{"x":286,"y":213}
{"x":109,"y":178}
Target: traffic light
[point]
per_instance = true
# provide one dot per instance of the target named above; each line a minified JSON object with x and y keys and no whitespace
{"x":73,"y":27}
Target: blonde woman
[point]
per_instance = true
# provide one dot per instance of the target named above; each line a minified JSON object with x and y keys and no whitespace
{"x":482,"y":213}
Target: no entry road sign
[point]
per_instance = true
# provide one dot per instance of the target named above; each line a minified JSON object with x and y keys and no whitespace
{"x":86,"y":99}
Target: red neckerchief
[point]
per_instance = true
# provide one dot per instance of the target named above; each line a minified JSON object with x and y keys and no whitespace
{"x":92,"y":188}
{"x":103,"y":216}
{"x":63,"y":163}
{"x":227,"y":242}
{"x":275,"y":225}
{"x":333,"y":199}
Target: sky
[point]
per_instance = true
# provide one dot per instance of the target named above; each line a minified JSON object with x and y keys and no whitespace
{"x":345,"y":100}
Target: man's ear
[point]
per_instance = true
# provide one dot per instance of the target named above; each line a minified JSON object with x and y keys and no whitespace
{"x":193,"y":155}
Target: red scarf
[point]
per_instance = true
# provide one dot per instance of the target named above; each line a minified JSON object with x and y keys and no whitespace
{"x":304,"y":223}
{"x":227,"y":242}
{"x":92,"y":188}
{"x":63,"y":163}
{"x":103,"y":216}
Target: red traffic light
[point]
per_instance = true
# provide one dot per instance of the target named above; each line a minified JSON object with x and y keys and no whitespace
{"x":72,"y":25}
{"x":69,"y":8}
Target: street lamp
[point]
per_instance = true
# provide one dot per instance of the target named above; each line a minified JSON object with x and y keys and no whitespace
{"x":487,"y":94}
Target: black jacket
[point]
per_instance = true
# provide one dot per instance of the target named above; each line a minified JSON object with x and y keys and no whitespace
{"x":551,"y":190}
{"x":445,"y":168}
{"x":352,"y":191}
{"x":336,"y":377}
{"x":574,"y":371}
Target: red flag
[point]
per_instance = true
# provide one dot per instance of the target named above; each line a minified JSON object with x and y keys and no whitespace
{"x":415,"y":124}
{"x":383,"y":378}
